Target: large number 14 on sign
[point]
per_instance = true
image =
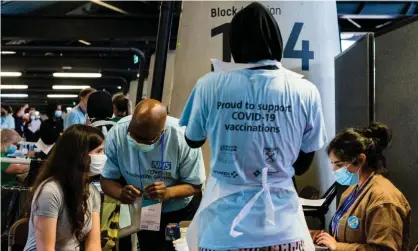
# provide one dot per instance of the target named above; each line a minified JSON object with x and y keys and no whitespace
{"x":289,"y":50}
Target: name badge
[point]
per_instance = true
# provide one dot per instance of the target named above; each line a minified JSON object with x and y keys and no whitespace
{"x":353,"y":222}
{"x":151,"y":215}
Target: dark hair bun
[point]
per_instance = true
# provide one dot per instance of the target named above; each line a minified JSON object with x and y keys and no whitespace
{"x":380,"y":134}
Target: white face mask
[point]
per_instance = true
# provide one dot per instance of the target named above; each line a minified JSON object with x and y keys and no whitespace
{"x":97,"y":163}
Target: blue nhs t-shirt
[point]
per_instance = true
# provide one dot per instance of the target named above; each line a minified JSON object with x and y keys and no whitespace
{"x":75,"y":117}
{"x":254,"y":119}
{"x":181,"y":164}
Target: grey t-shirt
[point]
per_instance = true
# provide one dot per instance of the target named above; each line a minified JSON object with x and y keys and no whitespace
{"x":51,"y":204}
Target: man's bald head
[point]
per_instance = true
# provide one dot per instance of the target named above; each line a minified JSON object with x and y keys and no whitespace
{"x":8,"y":137}
{"x":148,"y":121}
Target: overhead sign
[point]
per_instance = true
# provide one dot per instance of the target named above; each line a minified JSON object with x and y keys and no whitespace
{"x":311,"y":41}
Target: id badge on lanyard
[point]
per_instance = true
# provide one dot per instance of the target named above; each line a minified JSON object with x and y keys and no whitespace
{"x":152,"y":209}
{"x":151,"y":215}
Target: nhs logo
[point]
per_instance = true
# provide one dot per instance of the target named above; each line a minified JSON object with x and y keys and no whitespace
{"x":161,"y":166}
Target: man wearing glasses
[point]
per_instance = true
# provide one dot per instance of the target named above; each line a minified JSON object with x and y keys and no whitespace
{"x":148,"y":150}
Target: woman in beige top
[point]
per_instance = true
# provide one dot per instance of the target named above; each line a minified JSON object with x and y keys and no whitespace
{"x":373,"y":214}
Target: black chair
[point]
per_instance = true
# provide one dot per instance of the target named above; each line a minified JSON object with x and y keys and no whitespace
{"x":319,"y":212}
{"x":18,"y":235}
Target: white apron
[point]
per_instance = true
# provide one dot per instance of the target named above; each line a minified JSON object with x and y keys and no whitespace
{"x":216,"y":190}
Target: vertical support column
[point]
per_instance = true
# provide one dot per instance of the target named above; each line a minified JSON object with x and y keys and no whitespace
{"x":163,"y":40}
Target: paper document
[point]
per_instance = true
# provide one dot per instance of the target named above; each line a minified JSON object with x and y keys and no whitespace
{"x":151,"y":215}
{"x":312,"y":203}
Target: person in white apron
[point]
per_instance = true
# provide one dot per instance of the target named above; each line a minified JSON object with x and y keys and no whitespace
{"x":260,"y":118}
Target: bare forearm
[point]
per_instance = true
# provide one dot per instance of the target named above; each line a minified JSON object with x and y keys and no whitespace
{"x":183,"y":191}
{"x":111,"y":188}
{"x":17,"y":169}
{"x":93,"y":239}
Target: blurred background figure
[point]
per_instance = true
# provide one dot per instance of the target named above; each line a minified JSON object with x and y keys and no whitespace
{"x":78,"y":114}
{"x":48,"y":136}
{"x":31,"y":128}
{"x":7,"y":120}
{"x":54,"y":113}
{"x":122,"y":107}
{"x":19,"y":121}
{"x":100,"y":111}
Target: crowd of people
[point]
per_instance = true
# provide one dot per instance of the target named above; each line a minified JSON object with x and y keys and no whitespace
{"x":249,"y":201}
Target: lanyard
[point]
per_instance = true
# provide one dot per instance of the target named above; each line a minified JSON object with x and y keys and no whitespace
{"x":345,"y":206}
{"x":161,"y":162}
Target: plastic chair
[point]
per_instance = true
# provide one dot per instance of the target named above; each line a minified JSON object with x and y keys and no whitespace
{"x":18,"y":235}
{"x":321,"y":211}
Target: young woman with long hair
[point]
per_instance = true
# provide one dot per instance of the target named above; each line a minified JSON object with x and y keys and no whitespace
{"x":65,"y":209}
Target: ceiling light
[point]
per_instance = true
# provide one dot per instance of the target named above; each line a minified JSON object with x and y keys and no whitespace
{"x":119,"y":87}
{"x":84,"y":42}
{"x":69,"y":109}
{"x":62,"y":96}
{"x":70,"y":87}
{"x":13,"y":87}
{"x":10,"y":74}
{"x":8,"y":52}
{"x":14,"y":95}
{"x":137,"y":75}
{"x":76,"y":75}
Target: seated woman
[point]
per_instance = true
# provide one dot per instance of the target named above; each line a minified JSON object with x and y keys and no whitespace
{"x":9,"y":140}
{"x":373,"y":214}
{"x":65,"y":206}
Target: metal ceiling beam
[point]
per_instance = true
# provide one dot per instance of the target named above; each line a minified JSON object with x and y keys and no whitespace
{"x":131,"y":28}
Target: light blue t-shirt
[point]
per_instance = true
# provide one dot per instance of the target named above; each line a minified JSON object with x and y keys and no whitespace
{"x":180,"y":163}
{"x":7,"y":122}
{"x":74,"y":117}
{"x":254,"y":119}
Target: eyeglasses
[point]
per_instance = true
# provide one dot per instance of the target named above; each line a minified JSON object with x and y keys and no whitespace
{"x":146,"y":141}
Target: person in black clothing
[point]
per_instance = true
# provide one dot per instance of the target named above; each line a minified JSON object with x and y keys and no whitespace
{"x":100,"y":111}
{"x":19,"y":121}
{"x":54,"y":113}
{"x":49,"y":134}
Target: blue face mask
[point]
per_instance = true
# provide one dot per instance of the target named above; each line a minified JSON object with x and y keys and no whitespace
{"x":58,"y":114}
{"x":11,"y":149}
{"x":139,"y":146}
{"x":345,"y":177}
